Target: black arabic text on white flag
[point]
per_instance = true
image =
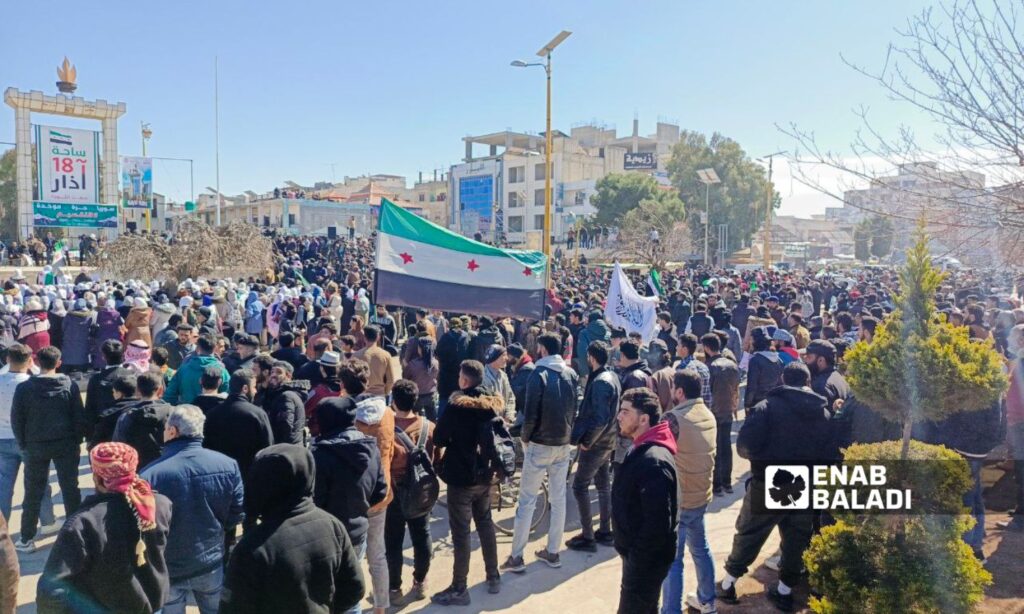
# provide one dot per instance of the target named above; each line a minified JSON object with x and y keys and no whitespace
{"x":627,"y":309}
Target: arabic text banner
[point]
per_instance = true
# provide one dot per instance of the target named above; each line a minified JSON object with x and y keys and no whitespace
{"x":68,"y":162}
{"x":136,"y":182}
{"x":66,"y":215}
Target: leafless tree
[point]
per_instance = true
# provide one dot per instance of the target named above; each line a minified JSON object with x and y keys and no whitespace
{"x":634,"y":241}
{"x":960,"y":63}
{"x":197,"y":249}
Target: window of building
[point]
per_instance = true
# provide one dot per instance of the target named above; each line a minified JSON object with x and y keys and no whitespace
{"x":515,"y":223}
{"x":423,"y":197}
{"x":516,"y":174}
{"x":538,"y":222}
{"x":579,"y":198}
{"x":538,"y":197}
{"x":291,"y":219}
{"x":538,"y":171}
{"x":514,"y":200}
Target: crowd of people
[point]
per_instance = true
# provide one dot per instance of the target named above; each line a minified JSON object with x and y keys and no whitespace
{"x":269,"y":411}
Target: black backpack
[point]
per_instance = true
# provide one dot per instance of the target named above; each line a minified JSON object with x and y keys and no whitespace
{"x":497,"y":450}
{"x":418,"y":493}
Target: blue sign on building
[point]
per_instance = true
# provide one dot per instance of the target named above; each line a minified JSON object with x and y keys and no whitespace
{"x":476,"y":202}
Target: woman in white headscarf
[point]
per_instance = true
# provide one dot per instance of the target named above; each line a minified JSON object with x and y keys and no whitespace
{"x":363,"y":305}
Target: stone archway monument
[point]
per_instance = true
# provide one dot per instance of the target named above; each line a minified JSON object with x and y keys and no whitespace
{"x":77,"y":170}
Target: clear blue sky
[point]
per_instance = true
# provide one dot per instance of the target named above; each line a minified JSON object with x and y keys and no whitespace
{"x":391,"y":87}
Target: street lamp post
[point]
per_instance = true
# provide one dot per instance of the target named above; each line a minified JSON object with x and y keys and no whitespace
{"x":146,"y":134}
{"x":768,"y":212}
{"x":545,"y":52}
{"x":707,"y":176}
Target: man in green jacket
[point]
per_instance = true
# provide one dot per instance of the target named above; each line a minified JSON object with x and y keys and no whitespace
{"x":185,"y":385}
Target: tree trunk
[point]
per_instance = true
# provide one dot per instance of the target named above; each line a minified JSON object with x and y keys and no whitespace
{"x":905,"y":451}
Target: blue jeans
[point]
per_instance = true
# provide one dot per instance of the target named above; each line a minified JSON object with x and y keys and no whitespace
{"x":691,"y":533}
{"x":10,"y":464}
{"x":973,"y":500}
{"x":204,"y":588}
{"x":360,"y":550}
{"x":538,"y":461}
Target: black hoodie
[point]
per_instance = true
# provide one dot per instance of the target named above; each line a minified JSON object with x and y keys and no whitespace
{"x":299,"y":558}
{"x":141,"y":426}
{"x":286,"y":409}
{"x":349,"y":474}
{"x":458,"y":432}
{"x":47,"y":409}
{"x":790,"y":427}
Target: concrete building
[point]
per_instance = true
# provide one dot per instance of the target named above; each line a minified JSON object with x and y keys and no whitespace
{"x":498,"y":189}
{"x":800,"y":240}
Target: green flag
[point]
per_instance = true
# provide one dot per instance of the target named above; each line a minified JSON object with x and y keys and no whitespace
{"x":654,"y":281}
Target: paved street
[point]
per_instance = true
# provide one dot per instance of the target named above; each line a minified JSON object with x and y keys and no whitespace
{"x":584,"y":583}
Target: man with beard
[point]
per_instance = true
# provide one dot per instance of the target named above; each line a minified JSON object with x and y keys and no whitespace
{"x":283,"y":404}
{"x":261,"y":367}
{"x":820,"y":358}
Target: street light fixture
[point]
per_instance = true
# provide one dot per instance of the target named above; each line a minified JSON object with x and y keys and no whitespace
{"x":545,"y":52}
{"x":768,"y":211}
{"x":707,"y":176}
{"x":147,"y":133}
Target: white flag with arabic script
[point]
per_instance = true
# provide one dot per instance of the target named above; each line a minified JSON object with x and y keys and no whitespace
{"x":627,"y":309}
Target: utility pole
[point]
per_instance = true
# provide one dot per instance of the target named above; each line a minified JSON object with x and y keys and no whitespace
{"x":768,"y":212}
{"x":216,"y":132}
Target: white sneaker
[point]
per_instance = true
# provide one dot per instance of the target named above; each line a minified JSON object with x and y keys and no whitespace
{"x":703,"y":608}
{"x":774,"y":562}
{"x":49,"y":529}
{"x":26,"y":547}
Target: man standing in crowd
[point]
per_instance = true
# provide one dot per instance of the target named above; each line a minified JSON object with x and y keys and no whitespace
{"x":452,"y":349}
{"x":109,"y":557}
{"x":594,"y":432}
{"x":246,"y":348}
{"x":596,"y":330}
{"x":820,"y":358}
{"x":764,"y":369}
{"x":667,"y":332}
{"x":295,"y":540}
{"x":185,"y":385}
{"x":48,"y":420}
{"x":142,"y":424}
{"x":210,"y":383}
{"x":547,"y":428}
{"x":100,"y":391}
{"x":288,"y":352}
{"x":284,"y":406}
{"x":644,"y":502}
{"x":724,"y":380}
{"x":469,"y":477}
{"x":379,"y":361}
{"x":181,"y":348}
{"x":206,"y":488}
{"x":412,"y":431}
{"x":694,"y":428}
{"x":791,"y":426}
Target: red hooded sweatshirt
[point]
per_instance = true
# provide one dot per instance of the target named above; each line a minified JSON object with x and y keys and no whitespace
{"x":660,"y":435}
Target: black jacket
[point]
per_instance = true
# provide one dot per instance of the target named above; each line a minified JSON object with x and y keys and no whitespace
{"x":595,"y":424}
{"x":550,"y":405}
{"x":483,"y":342}
{"x":792,"y":427}
{"x":681,"y":312}
{"x":238,"y":429}
{"x":106,"y":424}
{"x":832,"y":385}
{"x":644,"y":503}
{"x":858,"y":423}
{"x":233,"y":362}
{"x":47,"y":409}
{"x":518,"y":381}
{"x":764,"y":372}
{"x":285,"y":406}
{"x":452,"y":349}
{"x":292,"y":356}
{"x":141,"y":426}
{"x":299,"y":558}
{"x":973,"y":433}
{"x":458,"y":432}
{"x":349,"y":474}
{"x":93,"y":564}
{"x":740,"y":314}
{"x":636,"y":375}
{"x":700,"y":324}
{"x":309,"y":372}
{"x":206,"y":402}
{"x":99,"y":394}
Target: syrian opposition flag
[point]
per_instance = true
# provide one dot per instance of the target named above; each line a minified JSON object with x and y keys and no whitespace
{"x":420,"y":264}
{"x":654,"y":281}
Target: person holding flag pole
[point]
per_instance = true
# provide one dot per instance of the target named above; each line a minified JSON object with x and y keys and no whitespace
{"x":654,"y":282}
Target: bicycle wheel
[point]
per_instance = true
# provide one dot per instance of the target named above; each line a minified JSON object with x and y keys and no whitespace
{"x":543,"y":506}
{"x":505,"y":501}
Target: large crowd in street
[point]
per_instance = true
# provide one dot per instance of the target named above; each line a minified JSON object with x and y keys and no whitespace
{"x":253,"y":440}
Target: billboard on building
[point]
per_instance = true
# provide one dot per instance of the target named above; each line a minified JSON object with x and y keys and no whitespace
{"x":136,"y":182}
{"x":476,"y":203}
{"x":69,"y":215}
{"x":68,"y":165}
{"x":640,"y":161}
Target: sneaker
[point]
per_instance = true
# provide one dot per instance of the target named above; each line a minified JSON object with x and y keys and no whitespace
{"x":552,"y":560}
{"x":395,"y":596}
{"x":605,"y":538}
{"x":416,"y":593}
{"x":694,"y":603}
{"x":494,"y":586}
{"x":49,"y":529}
{"x":728,"y":595}
{"x":25,"y":546}
{"x":1014,"y":524}
{"x":782,"y":602}
{"x":719,"y":492}
{"x":728,"y":490}
{"x":581,"y":544}
{"x":514,"y":564}
{"x":451,"y":596}
{"x":774,"y":562}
